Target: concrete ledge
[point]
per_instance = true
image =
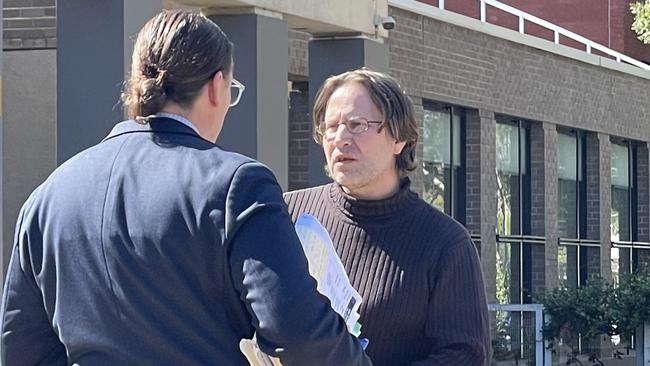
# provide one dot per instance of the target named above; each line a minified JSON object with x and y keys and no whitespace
{"x":623,"y":67}
{"x":313,"y":16}
{"x":516,"y":37}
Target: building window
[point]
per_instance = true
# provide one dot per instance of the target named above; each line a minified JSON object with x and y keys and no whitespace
{"x":515,"y":278}
{"x":569,"y":179}
{"x":628,"y":254}
{"x":640,"y":257}
{"x":578,"y":257}
{"x":519,"y":256}
{"x":621,"y":225}
{"x":512,"y":177}
{"x":443,"y":157}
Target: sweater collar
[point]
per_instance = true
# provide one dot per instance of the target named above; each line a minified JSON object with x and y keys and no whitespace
{"x":358,"y":208}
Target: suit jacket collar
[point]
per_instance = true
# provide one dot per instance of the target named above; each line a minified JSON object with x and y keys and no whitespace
{"x":155,"y":125}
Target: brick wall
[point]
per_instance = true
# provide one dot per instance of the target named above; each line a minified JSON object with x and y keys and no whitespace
{"x":543,"y":212}
{"x":442,"y":62}
{"x":592,"y":262}
{"x":417,"y":176}
{"x":480,"y":188}
{"x":29,"y":24}
{"x":473,"y":172}
{"x":605,"y":22}
{"x":551,"y":204}
{"x":593,"y":186}
{"x":605,"y":156}
{"x":299,"y":135}
{"x":299,"y":114}
{"x":633,"y":47}
{"x":642,"y":185}
{"x":537,"y":179}
{"x":538,"y":271}
{"x":488,"y":199}
{"x":618,"y":31}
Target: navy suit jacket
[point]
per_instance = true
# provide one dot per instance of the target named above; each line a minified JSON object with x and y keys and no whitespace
{"x":156,"y":247}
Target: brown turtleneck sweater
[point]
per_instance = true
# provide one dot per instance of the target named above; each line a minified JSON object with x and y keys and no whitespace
{"x":418,"y":272}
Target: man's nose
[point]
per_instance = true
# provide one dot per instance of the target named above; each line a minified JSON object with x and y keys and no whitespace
{"x":342,"y":137}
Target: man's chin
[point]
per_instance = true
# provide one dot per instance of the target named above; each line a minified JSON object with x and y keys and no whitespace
{"x":343,"y":179}
{"x":340,"y":177}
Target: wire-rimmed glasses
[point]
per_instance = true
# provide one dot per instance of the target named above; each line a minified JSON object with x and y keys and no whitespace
{"x":354,"y":125}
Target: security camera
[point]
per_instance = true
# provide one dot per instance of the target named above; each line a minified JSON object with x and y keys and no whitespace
{"x":387,"y":22}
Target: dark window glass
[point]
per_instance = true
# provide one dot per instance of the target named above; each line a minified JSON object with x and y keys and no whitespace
{"x":640,"y":258}
{"x":511,"y":166}
{"x":620,"y":170}
{"x":567,"y":261}
{"x":442,"y":165}
{"x":508,"y":273}
{"x":517,"y":278}
{"x":568,"y":174}
{"x":573,"y":265}
{"x":620,"y":225}
{"x":589,"y":263}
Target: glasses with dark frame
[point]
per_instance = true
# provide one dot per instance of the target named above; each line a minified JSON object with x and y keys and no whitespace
{"x":354,"y":125}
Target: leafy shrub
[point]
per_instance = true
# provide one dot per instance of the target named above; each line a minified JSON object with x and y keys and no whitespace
{"x":641,"y":24}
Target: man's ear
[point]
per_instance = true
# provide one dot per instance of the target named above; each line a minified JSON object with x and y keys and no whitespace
{"x":398,"y":147}
{"x":213,"y":87}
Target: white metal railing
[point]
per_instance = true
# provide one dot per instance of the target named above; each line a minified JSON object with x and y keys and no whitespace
{"x":542,"y":352}
{"x":557,"y":30}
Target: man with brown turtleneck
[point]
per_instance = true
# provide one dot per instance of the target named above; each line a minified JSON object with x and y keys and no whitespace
{"x":416,"y":268}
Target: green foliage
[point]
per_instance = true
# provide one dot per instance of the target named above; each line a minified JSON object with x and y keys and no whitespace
{"x":631,"y":306}
{"x":579,"y":312}
{"x":585,"y":311}
{"x":641,"y":24}
{"x":598,"y":308}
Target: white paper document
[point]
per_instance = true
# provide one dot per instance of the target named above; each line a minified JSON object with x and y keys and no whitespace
{"x":326,"y":267}
{"x":333,"y":282}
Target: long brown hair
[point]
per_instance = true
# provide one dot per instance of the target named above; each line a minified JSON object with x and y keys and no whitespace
{"x":395,"y":106}
{"x":175,"y":54}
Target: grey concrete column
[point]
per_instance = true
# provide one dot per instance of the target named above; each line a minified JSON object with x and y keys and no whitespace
{"x":481,"y":185}
{"x":330,"y":57}
{"x":28,"y":148}
{"x":259,"y":125}
{"x":94,"y":45}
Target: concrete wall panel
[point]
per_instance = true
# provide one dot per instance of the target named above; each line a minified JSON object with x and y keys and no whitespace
{"x":29,"y":104}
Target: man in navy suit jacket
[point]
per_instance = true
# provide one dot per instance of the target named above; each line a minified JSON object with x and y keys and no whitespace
{"x":156,"y":247}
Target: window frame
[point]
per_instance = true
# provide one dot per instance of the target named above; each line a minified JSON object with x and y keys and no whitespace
{"x":457,"y":193}
{"x":581,"y":242}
